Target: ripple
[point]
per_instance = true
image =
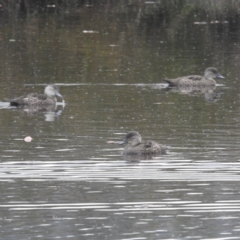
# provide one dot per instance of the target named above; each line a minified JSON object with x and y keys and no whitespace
{"x":95,"y":170}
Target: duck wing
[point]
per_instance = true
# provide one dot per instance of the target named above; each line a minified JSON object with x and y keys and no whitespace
{"x":194,"y":77}
{"x":171,"y":82}
{"x":32,"y":98}
{"x":154,"y":147}
{"x":185,"y":79}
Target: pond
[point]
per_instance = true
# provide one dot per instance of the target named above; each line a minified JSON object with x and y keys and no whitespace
{"x":109,"y":60}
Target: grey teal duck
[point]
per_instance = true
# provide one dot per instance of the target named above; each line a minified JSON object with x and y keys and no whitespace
{"x":196,"y":80}
{"x":48,"y":98}
{"x":135,"y":145}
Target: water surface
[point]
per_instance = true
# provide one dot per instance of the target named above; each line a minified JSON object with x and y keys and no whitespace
{"x":109,"y":61}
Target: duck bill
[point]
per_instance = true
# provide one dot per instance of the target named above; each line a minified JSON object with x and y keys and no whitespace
{"x":220,"y":76}
{"x":59,"y":95}
{"x":123,"y":142}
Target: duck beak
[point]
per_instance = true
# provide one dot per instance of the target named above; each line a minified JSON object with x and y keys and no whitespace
{"x":59,"y":95}
{"x":123,"y":142}
{"x":219,"y":76}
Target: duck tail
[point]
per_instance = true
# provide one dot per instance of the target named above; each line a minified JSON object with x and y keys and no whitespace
{"x":164,"y":149}
{"x":171,"y":84}
{"x":12,"y":102}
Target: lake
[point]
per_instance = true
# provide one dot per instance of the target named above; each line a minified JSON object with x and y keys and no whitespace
{"x":109,"y":60}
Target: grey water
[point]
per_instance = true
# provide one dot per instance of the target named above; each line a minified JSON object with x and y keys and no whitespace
{"x":109,"y":59}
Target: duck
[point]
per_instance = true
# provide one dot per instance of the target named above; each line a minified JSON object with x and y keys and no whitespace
{"x":135,"y":145}
{"x":196,"y":80}
{"x":34,"y":99}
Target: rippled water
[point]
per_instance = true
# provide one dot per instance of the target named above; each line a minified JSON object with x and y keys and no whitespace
{"x":69,"y":183}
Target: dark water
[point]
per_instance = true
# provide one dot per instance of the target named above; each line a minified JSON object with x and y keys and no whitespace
{"x":109,"y":61}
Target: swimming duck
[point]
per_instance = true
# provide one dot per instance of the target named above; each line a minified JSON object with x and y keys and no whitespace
{"x":196,"y":80}
{"x":48,"y":98}
{"x":135,"y":145}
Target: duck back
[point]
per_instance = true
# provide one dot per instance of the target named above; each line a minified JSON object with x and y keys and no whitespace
{"x":148,"y":147}
{"x":32,"y":99}
{"x":193,"y":80}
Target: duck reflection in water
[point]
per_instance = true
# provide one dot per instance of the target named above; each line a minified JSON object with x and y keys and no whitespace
{"x":50,"y":112}
{"x":45,"y":103}
{"x":136,"y":158}
{"x":208,"y":91}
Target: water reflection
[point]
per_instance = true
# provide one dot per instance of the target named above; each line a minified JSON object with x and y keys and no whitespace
{"x":208,"y":91}
{"x":51,"y":112}
{"x":137,"y":158}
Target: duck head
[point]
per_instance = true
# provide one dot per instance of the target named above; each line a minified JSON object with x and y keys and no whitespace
{"x":211,"y":73}
{"x":52,"y":91}
{"x":133,"y":138}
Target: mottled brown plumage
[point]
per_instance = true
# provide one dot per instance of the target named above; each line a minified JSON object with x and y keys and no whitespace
{"x":48,"y":98}
{"x":135,"y":145}
{"x":196,"y":80}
